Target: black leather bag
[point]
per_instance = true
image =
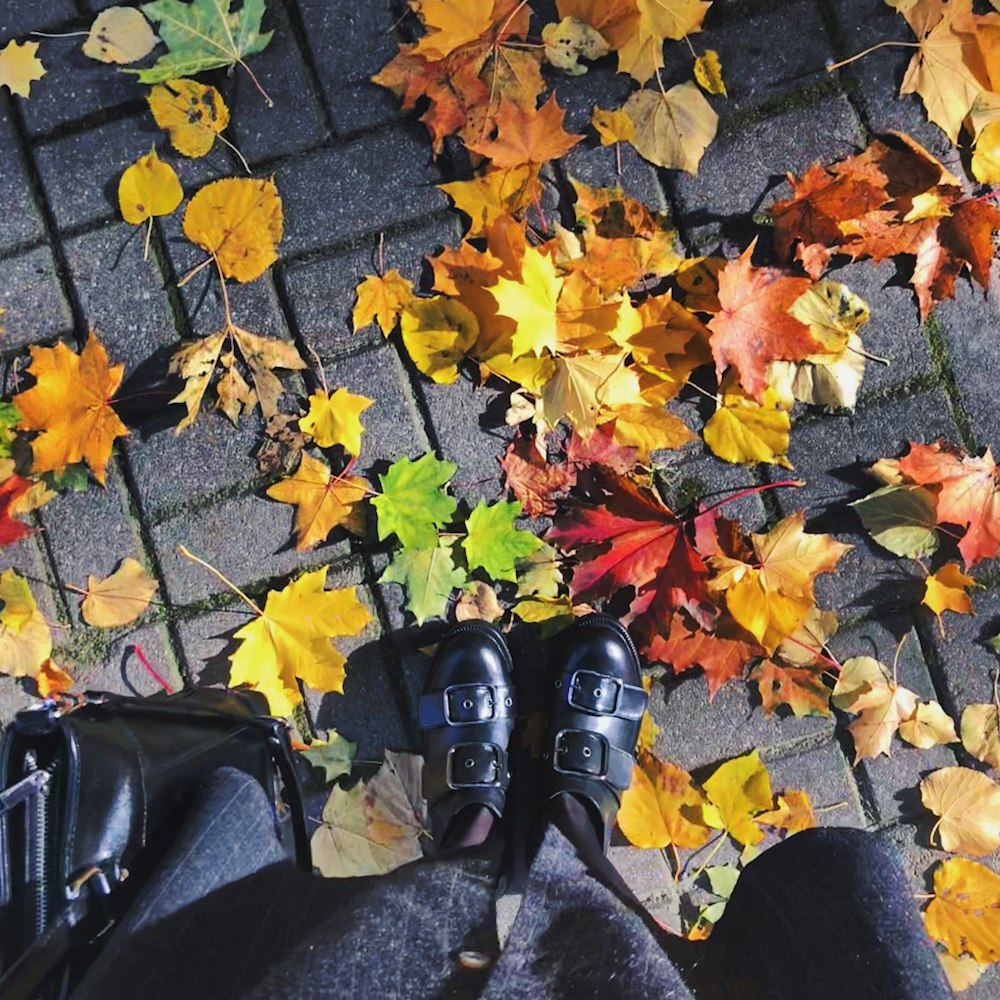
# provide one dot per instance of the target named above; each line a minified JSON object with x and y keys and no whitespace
{"x":94,"y":790}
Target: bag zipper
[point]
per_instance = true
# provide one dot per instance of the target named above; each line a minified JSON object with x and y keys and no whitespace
{"x":37,"y":847}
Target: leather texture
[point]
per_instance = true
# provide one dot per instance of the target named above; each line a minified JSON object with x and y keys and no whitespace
{"x":467,"y":713}
{"x":123,"y":773}
{"x":598,"y":702}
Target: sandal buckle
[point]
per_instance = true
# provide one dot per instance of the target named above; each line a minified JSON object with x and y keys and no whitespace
{"x":577,"y":751}
{"x":467,"y":703}
{"x":474,"y":765}
{"x":596,"y":693}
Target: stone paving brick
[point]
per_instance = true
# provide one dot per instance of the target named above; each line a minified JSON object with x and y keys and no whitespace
{"x":360,"y":187}
{"x":80,"y":172}
{"x":349,"y":43}
{"x":740,"y":170}
{"x":468,"y":435}
{"x":696,"y":732}
{"x":776,"y":53}
{"x":890,"y":782}
{"x":320,"y":292}
{"x":964,"y":666}
{"x":295,"y":122}
{"x":825,"y":774}
{"x":76,"y":87}
{"x":831,"y":454}
{"x":598,"y":166}
{"x":24,"y":225}
{"x":36,"y":309}
{"x":102,"y":263}
{"x":18,"y":17}
{"x":600,"y":86}
{"x":118,"y":667}
{"x":645,"y":872}
{"x":861,"y":23}
{"x":393,"y":425}
{"x":969,"y":325}
{"x":248,"y":539}
{"x":170,"y":471}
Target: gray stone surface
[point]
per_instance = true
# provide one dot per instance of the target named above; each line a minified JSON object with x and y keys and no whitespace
{"x":826,"y":776}
{"x":36,"y":308}
{"x":18,"y":17}
{"x":23,"y":226}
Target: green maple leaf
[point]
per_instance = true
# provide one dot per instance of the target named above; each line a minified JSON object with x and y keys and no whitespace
{"x":494,"y":543}
{"x":203,"y":35}
{"x":334,"y":757}
{"x":413,"y":503}
{"x":429,"y":576}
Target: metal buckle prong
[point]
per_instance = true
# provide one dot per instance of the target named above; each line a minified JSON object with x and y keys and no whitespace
{"x":605,"y":681}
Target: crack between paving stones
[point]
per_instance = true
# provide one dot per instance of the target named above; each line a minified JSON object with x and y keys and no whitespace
{"x":945,"y":373}
{"x":862,"y":782}
{"x":293,"y":18}
{"x":849,"y":83}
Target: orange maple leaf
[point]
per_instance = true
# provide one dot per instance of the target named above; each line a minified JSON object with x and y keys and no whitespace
{"x":969,"y":496}
{"x":71,"y":405}
{"x":527,"y":136}
{"x":753,"y":327}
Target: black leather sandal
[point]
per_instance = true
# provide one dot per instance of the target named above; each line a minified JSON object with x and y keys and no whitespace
{"x":467,"y":712}
{"x":595,"y":716}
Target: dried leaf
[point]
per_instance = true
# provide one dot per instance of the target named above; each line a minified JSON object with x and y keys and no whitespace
{"x":192,"y":113}
{"x":662,"y":806}
{"x":25,"y":640}
{"x":672,"y":129}
{"x":118,"y":599}
{"x":967,"y":804}
{"x":119,"y":35}
{"x":20,"y":67}
{"x":981,"y":733}
{"x":964,"y":914}
{"x":148,"y":187}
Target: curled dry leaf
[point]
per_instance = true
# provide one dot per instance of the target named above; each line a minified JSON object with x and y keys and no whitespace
{"x":478,"y":601}
{"x":793,"y":814}
{"x":571,"y":40}
{"x":238,"y":220}
{"x":25,"y":639}
{"x":981,"y":733}
{"x":964,"y":914}
{"x":967,"y":804}
{"x":119,"y":598}
{"x":930,"y":725}
{"x":70,"y":404}
{"x":708,"y":73}
{"x":119,"y":35}
{"x":51,"y":680}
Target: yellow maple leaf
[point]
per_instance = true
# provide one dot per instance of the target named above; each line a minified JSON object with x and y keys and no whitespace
{"x":25,"y":639}
{"x":793,"y":815}
{"x":662,"y":806}
{"x":743,"y":430}
{"x":119,"y":35}
{"x":612,"y":125}
{"x":148,"y":187}
{"x":967,"y":804}
{"x":964,"y":914}
{"x":335,"y":418}
{"x":323,"y":501}
{"x":20,"y":67}
{"x":739,"y":789}
{"x":290,"y":641}
{"x":238,"y":220}
{"x":647,"y":427}
{"x":119,"y":598}
{"x":450,"y":24}
{"x":639,"y":38}
{"x":493,"y":195}
{"x":382,"y":299}
{"x":531,"y":303}
{"x":192,"y":113}
{"x":947,"y":590}
{"x":672,"y":129}
{"x":584,"y":383}
{"x":438,"y":333}
{"x":929,"y":726}
{"x":70,"y":404}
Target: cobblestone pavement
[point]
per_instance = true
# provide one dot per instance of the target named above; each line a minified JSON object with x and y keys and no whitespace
{"x":349,"y":167}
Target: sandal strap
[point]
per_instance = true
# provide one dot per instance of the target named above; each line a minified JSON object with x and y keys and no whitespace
{"x":466,"y":704}
{"x":591,"y":755}
{"x":600,"y":694}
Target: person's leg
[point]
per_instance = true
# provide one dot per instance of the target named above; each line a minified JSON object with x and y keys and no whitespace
{"x":829,"y":914}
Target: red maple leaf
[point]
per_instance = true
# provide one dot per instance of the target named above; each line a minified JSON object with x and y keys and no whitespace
{"x":633,"y":540}
{"x":753,"y":327}
{"x":721,"y":658}
{"x":10,"y":530}
{"x":969,"y":494}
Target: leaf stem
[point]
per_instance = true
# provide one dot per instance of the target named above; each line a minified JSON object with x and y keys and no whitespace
{"x":720,"y":840}
{"x":223,"y":579}
{"x":750,"y":491}
{"x":871,"y":48}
